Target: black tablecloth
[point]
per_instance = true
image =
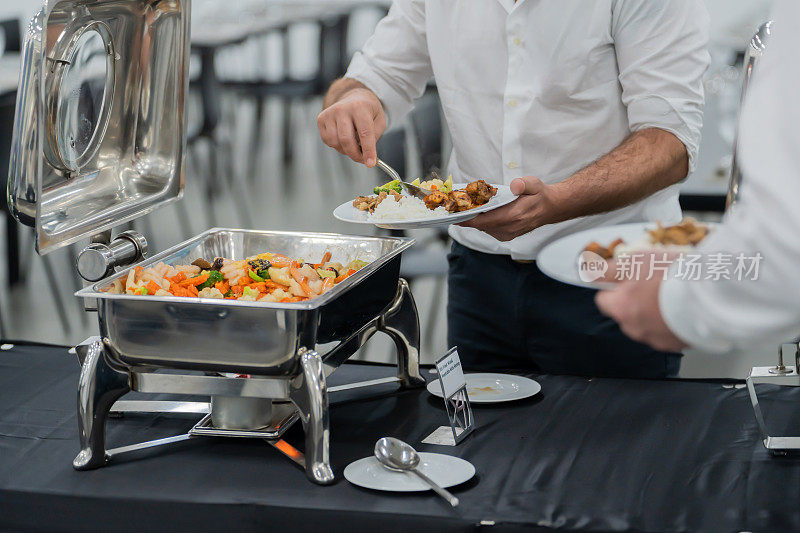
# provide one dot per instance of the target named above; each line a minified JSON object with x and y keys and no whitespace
{"x":598,"y":454}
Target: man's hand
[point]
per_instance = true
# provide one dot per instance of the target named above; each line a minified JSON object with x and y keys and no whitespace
{"x":352,"y":121}
{"x":634,"y":306}
{"x":535,"y":207}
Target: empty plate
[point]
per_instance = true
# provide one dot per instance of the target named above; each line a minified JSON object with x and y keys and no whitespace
{"x":445,"y":470}
{"x":493,"y":388}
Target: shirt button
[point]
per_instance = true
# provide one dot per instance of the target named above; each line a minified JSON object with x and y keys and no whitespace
{"x":517,"y":41}
{"x":512,"y":165}
{"x":512,"y":103}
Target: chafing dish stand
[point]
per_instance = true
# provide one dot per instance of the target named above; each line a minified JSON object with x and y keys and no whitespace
{"x":779,"y":374}
{"x":104,"y":379}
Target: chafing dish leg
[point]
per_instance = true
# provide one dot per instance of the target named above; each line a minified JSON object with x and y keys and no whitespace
{"x":310,"y":395}
{"x":401,"y":323}
{"x":99,"y":387}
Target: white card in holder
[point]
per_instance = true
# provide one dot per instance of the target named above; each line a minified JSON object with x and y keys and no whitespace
{"x":454,"y":390}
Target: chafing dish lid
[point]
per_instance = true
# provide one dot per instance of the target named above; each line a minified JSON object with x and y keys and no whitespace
{"x":99,"y":128}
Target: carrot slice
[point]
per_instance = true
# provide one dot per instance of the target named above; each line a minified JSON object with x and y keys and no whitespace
{"x":244,"y":280}
{"x":153,"y":288}
{"x":222,"y":286}
{"x":260,"y":286}
{"x":293,"y":299}
{"x":177,"y":278}
{"x":195,"y":281}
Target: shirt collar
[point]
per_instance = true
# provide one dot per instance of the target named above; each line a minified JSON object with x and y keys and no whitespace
{"x":508,"y":5}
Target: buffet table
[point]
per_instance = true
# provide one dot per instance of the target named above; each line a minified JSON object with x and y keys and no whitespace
{"x":585,"y":454}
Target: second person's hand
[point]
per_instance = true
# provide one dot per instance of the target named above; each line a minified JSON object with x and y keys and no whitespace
{"x":353,"y":124}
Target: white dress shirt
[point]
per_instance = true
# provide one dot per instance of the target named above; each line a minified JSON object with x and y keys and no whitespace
{"x":543,"y":88}
{"x":722,"y":315}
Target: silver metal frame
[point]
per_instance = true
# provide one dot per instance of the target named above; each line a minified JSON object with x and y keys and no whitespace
{"x":755,"y":49}
{"x":105,"y":378}
{"x":774,"y":375}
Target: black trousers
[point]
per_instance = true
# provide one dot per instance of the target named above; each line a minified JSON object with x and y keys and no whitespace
{"x":505,"y":315}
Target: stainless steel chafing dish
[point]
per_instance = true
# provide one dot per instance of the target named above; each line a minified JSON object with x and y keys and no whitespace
{"x":98,"y":141}
{"x":288,"y":349}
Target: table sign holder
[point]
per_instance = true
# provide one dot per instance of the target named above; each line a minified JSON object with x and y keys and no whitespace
{"x":454,"y":391}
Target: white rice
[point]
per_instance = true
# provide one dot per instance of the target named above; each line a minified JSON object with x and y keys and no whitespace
{"x":407,"y":208}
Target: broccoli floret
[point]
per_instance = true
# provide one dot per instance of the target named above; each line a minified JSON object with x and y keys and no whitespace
{"x":214,"y":277}
{"x":392,"y":186}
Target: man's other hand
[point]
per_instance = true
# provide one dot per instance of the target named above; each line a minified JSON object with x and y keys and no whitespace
{"x":535,"y":206}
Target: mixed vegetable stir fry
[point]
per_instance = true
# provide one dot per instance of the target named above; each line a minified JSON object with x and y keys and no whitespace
{"x":265,"y":277}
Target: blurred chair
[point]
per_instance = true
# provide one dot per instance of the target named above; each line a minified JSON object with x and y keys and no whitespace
{"x":11,"y":32}
{"x":12,"y":247}
{"x":16,"y":274}
{"x":210,"y":90}
{"x":332,"y":63}
{"x":391,"y":149}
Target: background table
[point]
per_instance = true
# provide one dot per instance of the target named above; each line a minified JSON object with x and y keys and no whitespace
{"x":585,"y":454}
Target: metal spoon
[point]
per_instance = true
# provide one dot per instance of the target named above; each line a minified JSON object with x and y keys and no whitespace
{"x":395,"y":454}
{"x":413,"y":190}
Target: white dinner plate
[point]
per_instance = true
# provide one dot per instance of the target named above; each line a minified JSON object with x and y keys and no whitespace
{"x":348,"y":213}
{"x":560,"y":259}
{"x":445,"y":470}
{"x":493,"y":388}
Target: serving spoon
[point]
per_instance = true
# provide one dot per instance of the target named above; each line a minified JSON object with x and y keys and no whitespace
{"x":413,"y":190}
{"x":395,"y":454}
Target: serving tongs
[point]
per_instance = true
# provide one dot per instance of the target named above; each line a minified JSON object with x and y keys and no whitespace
{"x":413,"y":190}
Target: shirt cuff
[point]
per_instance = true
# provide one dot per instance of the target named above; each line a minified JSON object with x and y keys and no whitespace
{"x":395,"y":105}
{"x":659,"y":112}
{"x":675,"y":301}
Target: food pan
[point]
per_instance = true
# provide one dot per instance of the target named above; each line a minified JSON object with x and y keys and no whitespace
{"x":250,"y":337}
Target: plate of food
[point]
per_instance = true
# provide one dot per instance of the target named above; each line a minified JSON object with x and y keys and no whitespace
{"x":485,"y":387}
{"x":390,"y":207}
{"x":581,"y":259}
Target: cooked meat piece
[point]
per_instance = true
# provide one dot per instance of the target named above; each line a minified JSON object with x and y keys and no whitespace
{"x":438,"y":199}
{"x":365,"y":203}
{"x":461,"y":201}
{"x":218,"y":261}
{"x":599,"y":249}
{"x":202,"y":263}
{"x":602,"y":251}
{"x":369,"y":203}
{"x":613,"y":246}
{"x":687,"y":233}
{"x":480,"y":192}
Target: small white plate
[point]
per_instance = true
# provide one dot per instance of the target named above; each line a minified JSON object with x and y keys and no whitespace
{"x":445,"y":470}
{"x":493,"y":388}
{"x":348,"y":213}
{"x":560,"y":259}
